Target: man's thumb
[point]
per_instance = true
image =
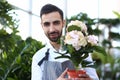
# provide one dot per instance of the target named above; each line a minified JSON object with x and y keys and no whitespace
{"x":64,"y":73}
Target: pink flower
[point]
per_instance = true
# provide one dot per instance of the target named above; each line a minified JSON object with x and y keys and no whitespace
{"x":92,"y":39}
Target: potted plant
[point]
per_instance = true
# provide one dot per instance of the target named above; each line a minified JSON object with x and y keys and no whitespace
{"x":78,"y":44}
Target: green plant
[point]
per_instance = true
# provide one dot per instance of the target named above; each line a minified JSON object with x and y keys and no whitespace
{"x":15,"y":53}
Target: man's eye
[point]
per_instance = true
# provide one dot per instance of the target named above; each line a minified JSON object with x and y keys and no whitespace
{"x":56,"y":22}
{"x":46,"y":24}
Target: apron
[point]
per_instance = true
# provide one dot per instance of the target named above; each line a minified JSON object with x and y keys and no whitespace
{"x":52,"y":70}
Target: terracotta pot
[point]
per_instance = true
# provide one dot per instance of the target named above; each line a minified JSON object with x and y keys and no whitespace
{"x":75,"y":73}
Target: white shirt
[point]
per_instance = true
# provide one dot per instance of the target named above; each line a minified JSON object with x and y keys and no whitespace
{"x":37,"y":70}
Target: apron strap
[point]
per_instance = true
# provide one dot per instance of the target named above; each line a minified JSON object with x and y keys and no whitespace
{"x":44,"y":58}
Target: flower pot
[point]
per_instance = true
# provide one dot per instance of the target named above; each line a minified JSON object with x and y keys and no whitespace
{"x":73,"y":74}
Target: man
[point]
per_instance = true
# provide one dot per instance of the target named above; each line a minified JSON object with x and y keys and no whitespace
{"x":44,"y":64}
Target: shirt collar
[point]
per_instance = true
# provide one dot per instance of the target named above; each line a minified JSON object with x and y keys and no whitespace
{"x":49,"y":46}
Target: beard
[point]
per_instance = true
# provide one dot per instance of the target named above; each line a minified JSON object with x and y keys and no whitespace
{"x":54,"y":36}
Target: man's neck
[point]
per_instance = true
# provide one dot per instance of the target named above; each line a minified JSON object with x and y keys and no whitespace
{"x":55,"y":45}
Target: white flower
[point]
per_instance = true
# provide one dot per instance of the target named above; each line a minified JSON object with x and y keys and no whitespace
{"x":92,"y":39}
{"x":76,"y":39}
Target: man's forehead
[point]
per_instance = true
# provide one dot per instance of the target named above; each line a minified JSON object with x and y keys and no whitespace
{"x":50,"y":20}
{"x":50,"y":17}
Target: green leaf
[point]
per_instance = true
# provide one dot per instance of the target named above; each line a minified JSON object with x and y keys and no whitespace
{"x":115,"y":36}
{"x":73,"y":27}
{"x":9,"y":78}
{"x":65,"y":56}
{"x":18,"y":60}
{"x":70,"y":49}
{"x":85,"y":55}
{"x":101,"y":56}
{"x":100,"y":49}
{"x":117,"y":14}
{"x":86,"y":63}
{"x":4,"y":55}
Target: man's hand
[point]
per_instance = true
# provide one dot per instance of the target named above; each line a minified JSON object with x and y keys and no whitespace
{"x":84,"y":77}
{"x":62,"y":76}
{"x":81,"y":76}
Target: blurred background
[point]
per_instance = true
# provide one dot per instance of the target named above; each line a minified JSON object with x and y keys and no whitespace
{"x":28,"y":12}
{"x":21,"y":34}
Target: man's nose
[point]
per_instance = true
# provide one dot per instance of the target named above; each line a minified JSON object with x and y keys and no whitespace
{"x":52,"y":28}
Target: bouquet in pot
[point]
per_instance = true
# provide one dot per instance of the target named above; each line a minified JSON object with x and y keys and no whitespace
{"x":78,"y":44}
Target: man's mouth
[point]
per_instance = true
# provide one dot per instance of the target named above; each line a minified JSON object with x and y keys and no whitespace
{"x":53,"y":35}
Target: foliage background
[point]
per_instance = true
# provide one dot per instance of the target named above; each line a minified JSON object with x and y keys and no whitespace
{"x":16,"y":53}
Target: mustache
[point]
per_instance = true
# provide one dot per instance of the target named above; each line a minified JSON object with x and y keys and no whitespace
{"x":53,"y":32}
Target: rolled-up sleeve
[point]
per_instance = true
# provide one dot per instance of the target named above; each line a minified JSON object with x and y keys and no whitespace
{"x":36,"y":70}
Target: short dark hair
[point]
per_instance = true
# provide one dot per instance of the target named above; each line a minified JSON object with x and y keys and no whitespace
{"x":48,"y":8}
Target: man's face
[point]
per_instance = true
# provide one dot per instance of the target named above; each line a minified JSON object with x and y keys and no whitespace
{"x":52,"y":25}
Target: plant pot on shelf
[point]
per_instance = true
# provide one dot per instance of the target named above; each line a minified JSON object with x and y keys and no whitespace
{"x":72,"y":74}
